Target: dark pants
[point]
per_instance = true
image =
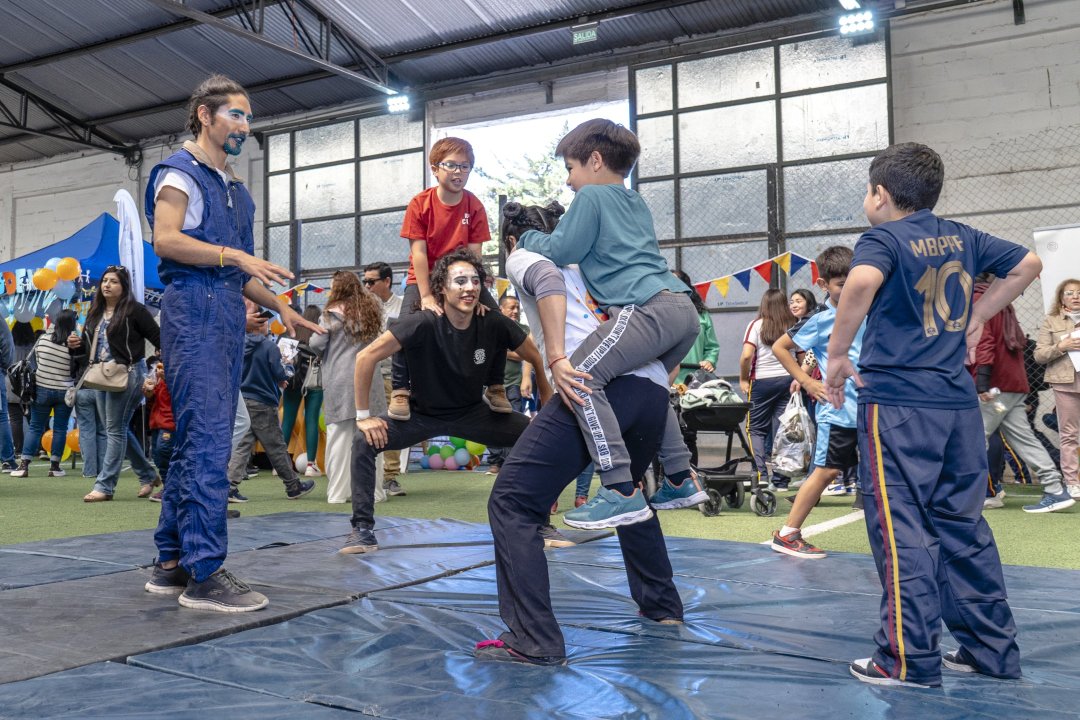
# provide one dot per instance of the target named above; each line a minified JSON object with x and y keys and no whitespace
{"x":265,"y":429}
{"x":162,"y":448}
{"x":202,"y":341}
{"x":477,"y":423}
{"x":497,"y":456}
{"x":768,"y":398}
{"x":549,"y":454}
{"x":922,"y":472}
{"x":399,"y":369}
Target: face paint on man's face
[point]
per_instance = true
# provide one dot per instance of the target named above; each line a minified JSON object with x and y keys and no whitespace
{"x":463,"y":277}
{"x":237,"y":118}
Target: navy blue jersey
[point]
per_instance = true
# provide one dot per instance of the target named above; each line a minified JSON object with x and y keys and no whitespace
{"x":913,"y":350}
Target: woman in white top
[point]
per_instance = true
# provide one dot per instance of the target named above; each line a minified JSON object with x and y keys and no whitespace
{"x":53,"y":378}
{"x":763,"y":379}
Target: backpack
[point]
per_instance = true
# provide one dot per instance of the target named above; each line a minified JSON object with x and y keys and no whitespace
{"x":23,"y":382}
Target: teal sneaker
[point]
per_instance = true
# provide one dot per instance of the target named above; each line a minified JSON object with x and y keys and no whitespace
{"x":609,"y":509}
{"x":672,"y":497}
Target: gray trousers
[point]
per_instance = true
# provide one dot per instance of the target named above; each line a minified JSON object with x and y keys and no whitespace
{"x":1014,"y":425}
{"x":265,"y":429}
{"x":663,"y":328}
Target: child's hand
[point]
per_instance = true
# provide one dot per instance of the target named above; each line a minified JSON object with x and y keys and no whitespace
{"x":816,"y":389}
{"x":428,"y":302}
{"x":745,"y":385}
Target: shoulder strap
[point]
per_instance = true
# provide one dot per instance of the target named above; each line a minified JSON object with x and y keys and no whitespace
{"x":93,"y":348}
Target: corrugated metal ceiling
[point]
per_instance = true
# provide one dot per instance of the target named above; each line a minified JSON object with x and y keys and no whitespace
{"x":134,"y":86}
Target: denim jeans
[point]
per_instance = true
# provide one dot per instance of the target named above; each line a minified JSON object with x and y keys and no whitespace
{"x":115,"y":410}
{"x":7,"y":445}
{"x":162,"y":450}
{"x":92,"y":438}
{"x":584,"y":481}
{"x":47,"y":400}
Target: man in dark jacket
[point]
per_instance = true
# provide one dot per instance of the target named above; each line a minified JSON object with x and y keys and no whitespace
{"x":1001,"y":381}
{"x":263,"y":376}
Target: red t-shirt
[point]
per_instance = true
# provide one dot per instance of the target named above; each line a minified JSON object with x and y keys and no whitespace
{"x":443,"y":227}
{"x":161,"y":415}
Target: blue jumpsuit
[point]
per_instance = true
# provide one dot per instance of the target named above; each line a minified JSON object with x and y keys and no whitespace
{"x":202,"y":342}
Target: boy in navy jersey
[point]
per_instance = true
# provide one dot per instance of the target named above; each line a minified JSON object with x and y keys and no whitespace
{"x":921,"y":444}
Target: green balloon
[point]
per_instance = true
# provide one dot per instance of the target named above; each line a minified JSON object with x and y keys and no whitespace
{"x":446,"y":451}
{"x":475,"y":448}
{"x":322,"y":422}
{"x":433,"y":450}
{"x":457,"y":442}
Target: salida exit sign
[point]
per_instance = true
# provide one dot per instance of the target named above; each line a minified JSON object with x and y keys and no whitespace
{"x":584,"y":33}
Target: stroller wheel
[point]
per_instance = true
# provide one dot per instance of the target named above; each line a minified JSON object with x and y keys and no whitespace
{"x":763,"y":503}
{"x":712,"y":506}
{"x":735,"y":497}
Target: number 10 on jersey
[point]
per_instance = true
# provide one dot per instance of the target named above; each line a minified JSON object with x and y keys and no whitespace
{"x":935,"y":303}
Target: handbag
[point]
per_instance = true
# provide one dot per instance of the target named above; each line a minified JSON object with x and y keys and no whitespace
{"x":313,"y":379}
{"x":109,"y":376}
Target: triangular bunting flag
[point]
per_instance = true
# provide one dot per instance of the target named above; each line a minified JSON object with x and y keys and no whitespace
{"x":501,"y":286}
{"x":784,"y":261}
{"x":764,"y":270}
{"x":797,"y":262}
{"x":702,"y":290}
{"x":813,"y":272}
{"x":722,"y":285}
{"x":743,"y":276}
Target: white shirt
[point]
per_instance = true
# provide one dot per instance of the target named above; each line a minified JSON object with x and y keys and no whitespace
{"x":187,"y":185}
{"x":581,"y":321}
{"x":765,"y":363}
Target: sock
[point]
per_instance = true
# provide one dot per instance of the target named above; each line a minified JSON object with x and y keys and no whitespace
{"x":679,"y":478}
{"x":625,"y":488}
{"x":788,"y":530}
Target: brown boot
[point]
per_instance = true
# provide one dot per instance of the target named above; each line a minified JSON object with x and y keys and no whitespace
{"x":399,"y":404}
{"x":495,"y":396}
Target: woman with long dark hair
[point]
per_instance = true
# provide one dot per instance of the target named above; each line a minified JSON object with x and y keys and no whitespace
{"x":352,"y":318}
{"x":53,"y":378}
{"x":122,"y":327}
{"x":763,"y":379}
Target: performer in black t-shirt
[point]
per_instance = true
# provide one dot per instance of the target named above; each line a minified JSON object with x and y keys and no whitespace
{"x":449,"y":357}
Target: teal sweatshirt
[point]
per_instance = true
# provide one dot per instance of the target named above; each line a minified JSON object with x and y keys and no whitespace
{"x":608,"y":233}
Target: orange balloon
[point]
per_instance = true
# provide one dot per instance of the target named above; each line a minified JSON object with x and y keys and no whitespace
{"x":46,"y":441}
{"x":44,"y":279}
{"x":73,"y":439}
{"x":9,"y":283}
{"x":68,"y":269}
{"x":277,"y":328}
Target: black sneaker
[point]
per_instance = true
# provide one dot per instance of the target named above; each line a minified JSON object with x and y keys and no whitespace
{"x":23,"y":470}
{"x":56,"y":471}
{"x":236,"y":497}
{"x":167,"y":582}
{"x":501,"y":652}
{"x":252,"y":470}
{"x":868,"y":671}
{"x":300,"y":489}
{"x":858,"y":504}
{"x":553,"y":538}
{"x":393,"y":487}
{"x":360,"y":540}
{"x":8,"y":465}
{"x":222,"y":592}
{"x":232,"y":514}
{"x":957,"y":660}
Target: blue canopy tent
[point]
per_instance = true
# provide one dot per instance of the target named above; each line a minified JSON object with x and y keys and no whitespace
{"x":95,"y":246}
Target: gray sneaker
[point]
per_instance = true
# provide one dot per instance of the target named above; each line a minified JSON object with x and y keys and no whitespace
{"x":222,"y":592}
{"x":360,"y":540}
{"x":393,"y":487}
{"x":167,"y":582}
{"x":553,"y":538}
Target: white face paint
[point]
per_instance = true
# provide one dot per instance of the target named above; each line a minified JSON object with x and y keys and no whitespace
{"x":462,"y":285}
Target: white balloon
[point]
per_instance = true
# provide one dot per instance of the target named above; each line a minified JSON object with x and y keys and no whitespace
{"x":301,"y":462}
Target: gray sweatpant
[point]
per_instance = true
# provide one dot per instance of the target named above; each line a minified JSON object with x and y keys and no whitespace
{"x":1014,"y":425}
{"x":663,"y":328}
{"x":266,"y":428}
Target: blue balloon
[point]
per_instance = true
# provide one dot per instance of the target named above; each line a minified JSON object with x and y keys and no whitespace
{"x":64,"y":289}
{"x":462,"y":457}
{"x":424,"y":462}
{"x":52,"y":263}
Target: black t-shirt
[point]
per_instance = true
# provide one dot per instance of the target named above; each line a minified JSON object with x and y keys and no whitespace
{"x":448,"y":367}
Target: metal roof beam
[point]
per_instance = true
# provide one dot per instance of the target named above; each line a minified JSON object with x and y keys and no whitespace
{"x":76,"y":132}
{"x":377,"y":83}
{"x":119,"y":41}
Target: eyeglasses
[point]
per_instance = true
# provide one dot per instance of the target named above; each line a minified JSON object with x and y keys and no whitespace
{"x":454,"y":167}
{"x":1070,"y":293}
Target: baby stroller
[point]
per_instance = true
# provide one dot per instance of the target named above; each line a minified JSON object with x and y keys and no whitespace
{"x":713,"y":406}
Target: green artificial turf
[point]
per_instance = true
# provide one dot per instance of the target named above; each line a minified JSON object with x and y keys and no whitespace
{"x":39,"y":508}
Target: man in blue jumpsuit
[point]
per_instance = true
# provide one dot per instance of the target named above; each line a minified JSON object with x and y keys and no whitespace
{"x":922,"y":452}
{"x":202,"y":217}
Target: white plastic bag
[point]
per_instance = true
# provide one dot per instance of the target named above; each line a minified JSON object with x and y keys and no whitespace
{"x":794,"y":443}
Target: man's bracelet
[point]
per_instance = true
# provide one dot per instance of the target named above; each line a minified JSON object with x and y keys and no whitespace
{"x":363,"y":414}
{"x":561,"y":357}
{"x":221,"y":257}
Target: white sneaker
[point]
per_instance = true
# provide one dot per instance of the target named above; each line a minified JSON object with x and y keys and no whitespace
{"x":834,"y":489}
{"x":312,"y":470}
{"x":1074,"y":491}
{"x":994,"y":502}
